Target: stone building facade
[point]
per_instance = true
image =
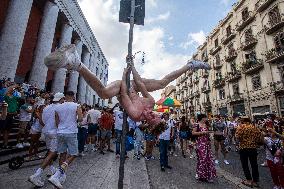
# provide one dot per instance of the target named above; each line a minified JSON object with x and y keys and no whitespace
{"x":169,"y":92}
{"x":246,"y":52}
{"x":31,"y":29}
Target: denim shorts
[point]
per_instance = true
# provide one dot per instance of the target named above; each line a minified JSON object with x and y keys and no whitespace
{"x":51,"y":142}
{"x":67,"y":143}
{"x":105,"y":134}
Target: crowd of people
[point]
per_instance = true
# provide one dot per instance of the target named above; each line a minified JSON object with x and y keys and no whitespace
{"x":70,"y":129}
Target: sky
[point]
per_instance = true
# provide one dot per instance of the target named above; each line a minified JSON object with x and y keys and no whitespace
{"x":173,"y":30}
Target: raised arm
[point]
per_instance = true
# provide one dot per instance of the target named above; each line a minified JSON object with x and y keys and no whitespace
{"x":139,"y":83}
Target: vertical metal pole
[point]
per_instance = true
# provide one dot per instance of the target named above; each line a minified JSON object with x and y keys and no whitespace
{"x":125,"y":125}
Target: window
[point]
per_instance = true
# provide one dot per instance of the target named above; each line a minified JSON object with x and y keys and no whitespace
{"x":218,"y":75}
{"x":256,"y":82}
{"x":251,"y":57}
{"x":228,"y":31}
{"x":279,"y":42}
{"x":248,"y":34}
{"x":102,"y":61}
{"x":101,"y":75}
{"x":231,"y":48}
{"x":236,"y":89}
{"x":222,"y":94}
{"x":217,"y":58}
{"x":99,"y":55}
{"x":233,"y":67}
{"x":245,"y":14}
{"x":216,"y":42}
{"x":274,"y":16}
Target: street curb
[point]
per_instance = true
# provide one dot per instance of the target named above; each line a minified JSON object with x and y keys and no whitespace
{"x":231,"y":178}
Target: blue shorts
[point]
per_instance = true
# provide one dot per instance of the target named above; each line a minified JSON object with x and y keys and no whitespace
{"x":67,"y":143}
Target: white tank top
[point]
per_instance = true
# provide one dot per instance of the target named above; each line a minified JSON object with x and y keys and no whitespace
{"x":48,"y":118}
{"x":67,"y":113}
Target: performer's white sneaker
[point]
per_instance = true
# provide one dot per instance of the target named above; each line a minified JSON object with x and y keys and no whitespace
{"x":195,"y":65}
{"x":56,"y":180}
{"x":64,"y":57}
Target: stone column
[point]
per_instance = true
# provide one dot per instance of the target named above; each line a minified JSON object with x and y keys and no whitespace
{"x":74,"y":76}
{"x":89,"y":90}
{"x":12,"y":36}
{"x":44,"y":44}
{"x":60,"y":75}
{"x":82,"y":83}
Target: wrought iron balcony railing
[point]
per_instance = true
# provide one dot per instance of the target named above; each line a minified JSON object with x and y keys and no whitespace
{"x":261,"y":5}
{"x":231,"y":55}
{"x":214,"y":50}
{"x":225,"y":40}
{"x":205,"y":89}
{"x":273,"y":56}
{"x":218,"y":83}
{"x":233,"y":76}
{"x":249,"y":43}
{"x":245,"y":21}
{"x":250,"y":67}
{"x":274,"y":25}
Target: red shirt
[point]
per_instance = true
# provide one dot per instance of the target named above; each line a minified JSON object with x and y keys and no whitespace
{"x":106,"y":121}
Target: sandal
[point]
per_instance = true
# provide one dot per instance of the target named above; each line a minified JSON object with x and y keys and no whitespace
{"x":247,"y":183}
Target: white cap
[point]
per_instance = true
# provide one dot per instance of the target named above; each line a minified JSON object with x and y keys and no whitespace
{"x":58,"y":96}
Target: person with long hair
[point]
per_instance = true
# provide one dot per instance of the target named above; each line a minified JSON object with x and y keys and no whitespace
{"x":183,"y":134}
{"x":205,"y":170}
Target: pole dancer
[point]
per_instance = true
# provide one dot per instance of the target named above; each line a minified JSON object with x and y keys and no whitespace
{"x":67,"y":57}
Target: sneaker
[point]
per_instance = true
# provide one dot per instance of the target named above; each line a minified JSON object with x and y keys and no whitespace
{"x":195,"y":65}
{"x":168,"y":167}
{"x":81,"y":154}
{"x":147,"y":158}
{"x":26,"y":144}
{"x":175,"y":155}
{"x":19,"y":145}
{"x":216,"y":162}
{"x":196,"y":177}
{"x":36,"y":180}
{"x":117,"y":156}
{"x":64,"y":57}
{"x":110,"y":150}
{"x":94,"y":149}
{"x":102,"y":152}
{"x":191,"y":156}
{"x":138,"y":157}
{"x":62,"y":178}
{"x":226,"y":162}
{"x":163,"y":169}
{"x":152,"y":157}
{"x":52,"y":171}
{"x":55,"y":180}
{"x":264,"y":164}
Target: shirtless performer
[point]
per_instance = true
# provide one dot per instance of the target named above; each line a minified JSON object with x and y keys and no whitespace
{"x":67,"y":57}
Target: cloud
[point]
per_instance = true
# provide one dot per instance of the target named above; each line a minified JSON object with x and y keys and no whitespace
{"x":113,"y":39}
{"x":194,"y":39}
{"x":160,"y":17}
{"x":225,"y":2}
{"x":153,"y":3}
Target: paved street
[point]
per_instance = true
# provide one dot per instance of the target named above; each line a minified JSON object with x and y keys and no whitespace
{"x":98,"y":171}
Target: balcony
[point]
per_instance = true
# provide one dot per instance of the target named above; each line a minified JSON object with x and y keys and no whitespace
{"x":217,"y":66}
{"x":277,"y":87}
{"x":236,"y":97}
{"x":214,"y":50}
{"x":233,"y":76}
{"x":251,"y":67}
{"x":228,"y":38}
{"x":191,"y":96}
{"x":249,"y":43}
{"x":218,"y":83}
{"x":205,"y":89}
{"x":261,"y":5}
{"x":196,"y":80}
{"x":207,"y":104}
{"x":205,"y":59}
{"x":273,"y":56}
{"x":184,"y":87}
{"x":190,"y":84}
{"x":196,"y":94}
{"x":243,"y":23}
{"x":205,"y":74}
{"x":183,"y":78}
{"x":231,"y":56}
{"x":274,"y":25}
{"x":189,"y":73}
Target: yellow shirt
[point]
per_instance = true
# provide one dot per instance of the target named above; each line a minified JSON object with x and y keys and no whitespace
{"x":249,"y":136}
